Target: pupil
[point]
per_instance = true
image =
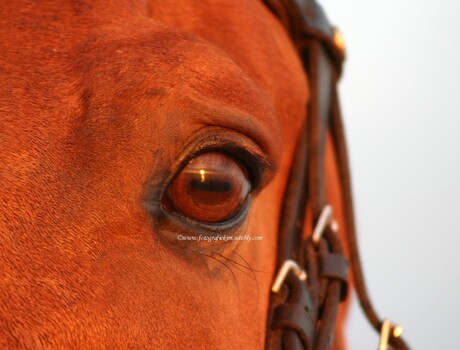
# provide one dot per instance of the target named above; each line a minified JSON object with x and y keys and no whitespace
{"x":212,"y":185}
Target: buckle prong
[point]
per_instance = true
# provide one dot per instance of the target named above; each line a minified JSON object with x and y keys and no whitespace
{"x":324,"y":219}
{"x":288,"y":265}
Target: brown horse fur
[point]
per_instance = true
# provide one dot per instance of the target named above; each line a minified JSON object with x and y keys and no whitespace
{"x":98,"y":102}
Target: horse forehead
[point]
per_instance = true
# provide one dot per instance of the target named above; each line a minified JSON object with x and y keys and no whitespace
{"x":64,"y":33}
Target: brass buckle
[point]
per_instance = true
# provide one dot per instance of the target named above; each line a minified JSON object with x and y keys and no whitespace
{"x":386,"y":329}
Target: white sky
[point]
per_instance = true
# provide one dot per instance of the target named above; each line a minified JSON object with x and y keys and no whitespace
{"x":401,"y":103}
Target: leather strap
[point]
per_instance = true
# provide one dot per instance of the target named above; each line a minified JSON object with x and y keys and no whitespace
{"x":335,"y":266}
{"x":306,"y":185}
{"x":293,"y":316}
{"x":303,"y":316}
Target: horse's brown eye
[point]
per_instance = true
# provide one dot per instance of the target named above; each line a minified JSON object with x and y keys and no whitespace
{"x":212,"y":188}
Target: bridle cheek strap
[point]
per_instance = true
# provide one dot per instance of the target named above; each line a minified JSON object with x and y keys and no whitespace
{"x":312,"y":278}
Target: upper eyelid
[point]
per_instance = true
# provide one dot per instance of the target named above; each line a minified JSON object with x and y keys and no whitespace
{"x":254,"y":163}
{"x":240,"y":146}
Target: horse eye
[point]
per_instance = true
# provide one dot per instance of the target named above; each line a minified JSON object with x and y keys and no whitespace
{"x":212,"y":188}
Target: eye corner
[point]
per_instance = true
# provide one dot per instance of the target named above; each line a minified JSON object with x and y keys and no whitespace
{"x":262,"y":170}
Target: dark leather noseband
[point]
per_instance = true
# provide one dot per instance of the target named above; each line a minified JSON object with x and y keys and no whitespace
{"x":311,"y":275}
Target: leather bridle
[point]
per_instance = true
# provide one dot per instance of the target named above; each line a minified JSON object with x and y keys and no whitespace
{"x":311,"y":277}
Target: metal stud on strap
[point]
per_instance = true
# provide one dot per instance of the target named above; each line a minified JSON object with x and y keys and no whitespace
{"x":387,"y":327}
{"x":288,"y":265}
{"x":339,"y":42}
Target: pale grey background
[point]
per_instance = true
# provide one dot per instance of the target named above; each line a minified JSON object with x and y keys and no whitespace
{"x":400,"y":98}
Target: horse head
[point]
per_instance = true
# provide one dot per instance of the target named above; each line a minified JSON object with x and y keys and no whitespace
{"x":145,"y":150}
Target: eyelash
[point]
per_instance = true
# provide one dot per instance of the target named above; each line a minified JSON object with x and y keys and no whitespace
{"x":255,"y":164}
